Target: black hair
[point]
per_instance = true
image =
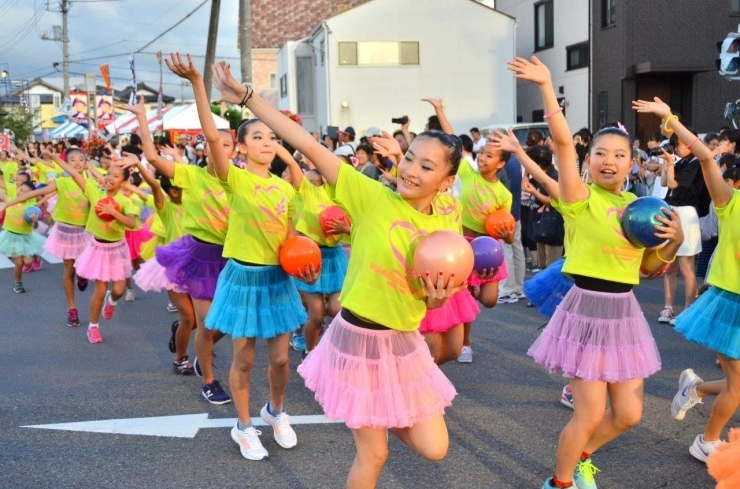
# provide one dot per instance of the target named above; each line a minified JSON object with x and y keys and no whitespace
{"x":163,"y":141}
{"x":243,"y":128}
{"x":474,"y":129}
{"x":733,"y":136}
{"x":345,"y":159}
{"x":467,"y":142}
{"x":76,"y":150}
{"x":534,"y":137}
{"x":135,"y":140}
{"x":728,"y":160}
{"x":366,"y":148}
{"x":542,"y":155}
{"x":611,"y":129}
{"x":585,"y":135}
{"x":674,"y":137}
{"x":451,"y":143}
{"x":433,"y":123}
{"x":135,"y":178}
{"x":710,"y":136}
{"x":126,"y":172}
{"x":29,"y":184}
{"x":732,"y":174}
{"x":166,"y":184}
{"x":130,"y":148}
{"x":657,"y":137}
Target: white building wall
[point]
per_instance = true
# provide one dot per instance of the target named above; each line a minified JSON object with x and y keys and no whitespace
{"x":463,"y":50}
{"x":571,"y":26}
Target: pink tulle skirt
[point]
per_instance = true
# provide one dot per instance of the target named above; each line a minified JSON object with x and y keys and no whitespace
{"x":66,"y":241}
{"x":598,"y":336}
{"x":152,"y":277}
{"x":134,"y":240}
{"x":107,"y":262}
{"x":501,"y":274}
{"x":460,"y":308}
{"x":376,"y":379}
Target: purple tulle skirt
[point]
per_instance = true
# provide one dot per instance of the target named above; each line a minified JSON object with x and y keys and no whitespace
{"x":460,"y":308}
{"x":375,"y":379}
{"x":192,"y":265}
{"x":152,"y":277}
{"x":66,"y":241}
{"x":597,"y":336}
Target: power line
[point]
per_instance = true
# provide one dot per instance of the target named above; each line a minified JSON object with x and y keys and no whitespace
{"x":176,"y":24}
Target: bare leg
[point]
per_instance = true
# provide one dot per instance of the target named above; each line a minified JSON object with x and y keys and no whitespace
{"x":452,"y":343}
{"x":711,"y":388}
{"x":278,"y":371}
{"x":670,"y":283}
{"x":68,"y":282}
{"x":372,"y":452}
{"x":727,"y":401}
{"x":466,"y":334}
{"x":434,"y":342}
{"x":96,"y":301}
{"x":18,"y":269}
{"x":686,"y":265}
{"x":625,"y":411}
{"x":429,"y":439}
{"x":241,"y":370}
{"x":316,"y":312}
{"x":186,"y":314}
{"x":204,"y":340}
{"x":118,"y":289}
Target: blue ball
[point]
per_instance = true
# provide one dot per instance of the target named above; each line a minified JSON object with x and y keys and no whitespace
{"x":31,"y":211}
{"x":639,"y":218}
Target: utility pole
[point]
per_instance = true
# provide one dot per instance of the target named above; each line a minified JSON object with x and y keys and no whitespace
{"x":63,"y":38}
{"x":211,"y":46}
{"x":245,"y":40}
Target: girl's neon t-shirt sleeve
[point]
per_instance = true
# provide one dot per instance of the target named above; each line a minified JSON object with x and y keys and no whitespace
{"x":354,"y":192}
{"x":728,"y":248}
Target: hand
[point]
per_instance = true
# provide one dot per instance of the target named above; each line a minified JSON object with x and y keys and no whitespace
{"x":436,"y":103}
{"x":231,"y":90}
{"x":339,"y":226}
{"x":656,"y":274}
{"x":109,"y":209}
{"x":169,"y":150}
{"x":672,"y":230}
{"x":658,"y":107}
{"x":506,"y":234}
{"x":528,"y":187}
{"x":505,"y":141}
{"x":668,"y":157}
{"x":127,"y":161}
{"x":406,"y":126}
{"x":487,"y":274}
{"x":179,"y":68}
{"x":437,"y":293}
{"x":138,"y":109}
{"x":386,"y":146}
{"x":535,"y":71}
{"x":386,"y":174}
{"x":311,"y":275}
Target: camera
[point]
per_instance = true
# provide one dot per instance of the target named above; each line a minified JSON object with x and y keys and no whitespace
{"x":400,"y":120}
{"x":659,"y":150}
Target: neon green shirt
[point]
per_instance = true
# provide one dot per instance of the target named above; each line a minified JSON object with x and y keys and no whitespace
{"x":259,"y":212}
{"x":72,"y":205}
{"x":9,"y":168}
{"x":380,"y":285}
{"x":205,"y":202}
{"x":480,"y":197}
{"x":42,"y":171}
{"x":14,"y":220}
{"x":725,"y":270}
{"x":138,"y":204}
{"x":598,"y":247}
{"x":106,"y":230}
{"x":448,"y":205}
{"x":310,"y":202}
{"x":170,"y":216}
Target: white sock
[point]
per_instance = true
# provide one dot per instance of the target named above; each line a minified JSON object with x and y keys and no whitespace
{"x":92,"y":325}
{"x":111,"y":301}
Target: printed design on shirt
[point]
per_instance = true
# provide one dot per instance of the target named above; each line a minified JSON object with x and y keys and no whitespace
{"x":482,"y":202}
{"x":77,"y":203}
{"x":279,"y":209}
{"x":444,"y":205}
{"x":625,"y":251}
{"x":218,"y":216}
{"x":402,"y":238}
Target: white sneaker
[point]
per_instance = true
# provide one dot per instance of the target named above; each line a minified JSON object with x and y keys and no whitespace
{"x":507,"y":299}
{"x":701,"y":450}
{"x":249,"y":443}
{"x":130,"y":295}
{"x":520,"y":295}
{"x":170,"y":307}
{"x":282,"y":431}
{"x":466,"y":356}
{"x":684,"y":398}
{"x":666,"y":315}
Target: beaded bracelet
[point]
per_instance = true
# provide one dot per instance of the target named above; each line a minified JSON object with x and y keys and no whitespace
{"x":657,"y":253}
{"x":554,"y":112}
{"x":669,"y":119}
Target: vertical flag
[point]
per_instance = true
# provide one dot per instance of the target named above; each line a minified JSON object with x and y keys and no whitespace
{"x":160,"y":104}
{"x":132,"y":97}
{"x":105,"y":73}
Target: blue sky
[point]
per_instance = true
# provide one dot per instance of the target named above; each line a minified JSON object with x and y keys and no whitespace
{"x":104,"y":28}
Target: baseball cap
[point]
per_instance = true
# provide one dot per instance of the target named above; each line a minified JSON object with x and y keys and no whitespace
{"x":372,"y":131}
{"x":349,"y":130}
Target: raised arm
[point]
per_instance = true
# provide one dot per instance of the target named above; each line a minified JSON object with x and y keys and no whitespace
{"x":719,"y":190}
{"x":440,"y":111}
{"x":163,"y":165}
{"x":49,"y":189}
{"x":234,"y":92}
{"x":157,"y":192}
{"x":188,"y":71}
{"x":296,"y":174}
{"x":572,"y":188}
{"x":509,"y":142}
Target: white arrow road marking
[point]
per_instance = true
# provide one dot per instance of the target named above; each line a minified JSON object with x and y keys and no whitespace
{"x":182,"y":426}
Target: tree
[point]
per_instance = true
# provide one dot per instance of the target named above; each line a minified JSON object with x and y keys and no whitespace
{"x":19,"y":121}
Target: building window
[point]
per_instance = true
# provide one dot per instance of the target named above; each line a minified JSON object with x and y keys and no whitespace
{"x":273,"y":81}
{"x":378,"y":53}
{"x":603,"y":107}
{"x":304,"y":84}
{"x":538,"y":115}
{"x":608,"y":12}
{"x":734,"y":7}
{"x":283,"y":86}
{"x":322,"y":50}
{"x":57,"y":100}
{"x":577,"y":56}
{"x":543,"y":25}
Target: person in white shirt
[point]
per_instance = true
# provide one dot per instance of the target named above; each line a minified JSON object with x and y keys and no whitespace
{"x":478,"y":141}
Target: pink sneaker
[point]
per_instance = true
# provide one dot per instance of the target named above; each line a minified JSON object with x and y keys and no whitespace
{"x":26,"y":268}
{"x":93,"y":335}
{"x":108,"y":308}
{"x":36,"y":264}
{"x":666,"y":315}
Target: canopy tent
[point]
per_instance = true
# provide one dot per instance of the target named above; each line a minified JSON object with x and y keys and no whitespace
{"x":182,"y":117}
{"x":68,"y":130}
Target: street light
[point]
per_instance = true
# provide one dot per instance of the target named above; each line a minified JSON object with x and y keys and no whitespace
{"x":4,"y":73}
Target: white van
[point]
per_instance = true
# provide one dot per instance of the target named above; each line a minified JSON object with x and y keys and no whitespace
{"x":521,"y":129}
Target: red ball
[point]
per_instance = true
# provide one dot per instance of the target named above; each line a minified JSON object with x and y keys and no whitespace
{"x":332,"y":213}
{"x":446,"y":253}
{"x":105,"y":201}
{"x":499,"y":223}
{"x":2,"y":216}
{"x":297,"y":253}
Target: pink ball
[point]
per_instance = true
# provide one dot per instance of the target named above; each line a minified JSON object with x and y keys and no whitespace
{"x":446,"y":253}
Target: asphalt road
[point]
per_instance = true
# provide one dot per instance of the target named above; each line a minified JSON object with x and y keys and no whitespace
{"x":504,"y":423}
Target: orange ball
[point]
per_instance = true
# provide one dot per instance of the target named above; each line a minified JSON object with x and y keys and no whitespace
{"x":499,"y":222}
{"x":105,"y":201}
{"x":297,"y":253}
{"x":446,"y":253}
{"x":332,"y":213}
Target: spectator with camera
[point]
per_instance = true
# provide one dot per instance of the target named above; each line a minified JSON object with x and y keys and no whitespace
{"x":656,"y":163}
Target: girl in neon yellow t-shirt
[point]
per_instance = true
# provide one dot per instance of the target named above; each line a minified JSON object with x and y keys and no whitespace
{"x":364,"y":366}
{"x":714,"y":319}
{"x":17,"y":239}
{"x":105,"y":257}
{"x":598,"y":336}
{"x":68,"y":237}
{"x":321,"y":298}
{"x":140,"y":233}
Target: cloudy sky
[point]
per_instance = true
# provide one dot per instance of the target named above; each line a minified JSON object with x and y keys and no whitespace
{"x":109,"y":30}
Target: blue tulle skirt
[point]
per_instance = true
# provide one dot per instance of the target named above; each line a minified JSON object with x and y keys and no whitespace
{"x":547,"y":288}
{"x":255,"y":302}
{"x":12,"y":244}
{"x":334,"y":261}
{"x":713,"y":321}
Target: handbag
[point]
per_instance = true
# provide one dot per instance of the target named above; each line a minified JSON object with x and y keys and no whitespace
{"x":548,"y":226}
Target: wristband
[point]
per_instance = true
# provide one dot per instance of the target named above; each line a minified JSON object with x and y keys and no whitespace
{"x":695,"y":140}
{"x":554,"y":112}
{"x":246,"y":98}
{"x":657,"y":253}
{"x":669,"y":119}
